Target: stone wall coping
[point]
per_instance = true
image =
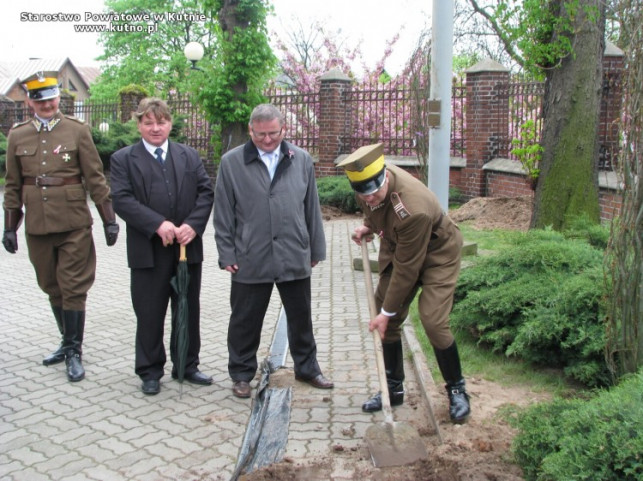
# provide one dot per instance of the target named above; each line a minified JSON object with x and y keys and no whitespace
{"x":335,"y":74}
{"x":487,"y":65}
{"x":606,"y":179}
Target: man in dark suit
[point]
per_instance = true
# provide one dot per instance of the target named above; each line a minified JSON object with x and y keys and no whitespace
{"x":163,"y":193}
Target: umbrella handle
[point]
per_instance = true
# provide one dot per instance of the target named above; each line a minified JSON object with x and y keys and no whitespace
{"x":182,"y":256}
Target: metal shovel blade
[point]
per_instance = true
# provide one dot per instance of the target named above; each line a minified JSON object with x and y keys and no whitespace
{"x":394,"y":444}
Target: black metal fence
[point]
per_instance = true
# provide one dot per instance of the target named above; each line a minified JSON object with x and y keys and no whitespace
{"x":301,"y":111}
{"x":196,"y":128}
{"x":377,"y":111}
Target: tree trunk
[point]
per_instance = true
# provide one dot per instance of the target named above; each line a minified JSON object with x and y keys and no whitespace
{"x":568,"y":182}
{"x":232,"y":133}
{"x":625,"y":250}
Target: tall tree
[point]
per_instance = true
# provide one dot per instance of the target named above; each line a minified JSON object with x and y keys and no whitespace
{"x":568,"y":182}
{"x":148,"y":51}
{"x":564,"y":41}
{"x":243,"y":65}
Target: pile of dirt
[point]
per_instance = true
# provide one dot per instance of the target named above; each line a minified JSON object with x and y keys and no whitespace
{"x":512,"y":213}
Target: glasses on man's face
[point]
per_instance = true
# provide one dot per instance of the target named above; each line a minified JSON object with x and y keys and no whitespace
{"x":263,"y":135}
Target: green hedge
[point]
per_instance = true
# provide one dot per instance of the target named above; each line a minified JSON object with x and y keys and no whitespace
{"x":599,"y":439}
{"x":336,"y":191}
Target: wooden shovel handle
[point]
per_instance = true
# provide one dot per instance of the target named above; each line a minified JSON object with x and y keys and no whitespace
{"x":377,"y":341}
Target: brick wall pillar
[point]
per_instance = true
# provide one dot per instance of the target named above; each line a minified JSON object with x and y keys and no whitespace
{"x":482,"y":134}
{"x":129,"y":104}
{"x":66,"y":105}
{"x":7,"y":114}
{"x":333,"y":123}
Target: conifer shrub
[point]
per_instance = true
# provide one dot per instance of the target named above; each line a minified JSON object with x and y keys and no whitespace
{"x":336,"y":191}
{"x":118,"y":136}
{"x":596,"y":439}
{"x":539,"y":300}
{"x":124,"y":134}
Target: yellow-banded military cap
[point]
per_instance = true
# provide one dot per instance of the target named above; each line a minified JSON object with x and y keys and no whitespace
{"x":42,"y":85}
{"x":365,"y":169}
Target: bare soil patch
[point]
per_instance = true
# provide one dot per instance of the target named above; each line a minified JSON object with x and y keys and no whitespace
{"x":476,"y":451}
{"x":333,"y":213}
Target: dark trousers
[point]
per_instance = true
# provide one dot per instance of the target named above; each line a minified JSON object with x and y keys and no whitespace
{"x":249,"y":303}
{"x":151,"y":291}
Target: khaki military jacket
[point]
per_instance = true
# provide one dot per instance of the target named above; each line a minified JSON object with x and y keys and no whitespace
{"x":65,"y":150}
{"x":415,"y":235}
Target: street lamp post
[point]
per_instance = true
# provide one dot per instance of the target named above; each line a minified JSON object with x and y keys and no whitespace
{"x":193,"y":51}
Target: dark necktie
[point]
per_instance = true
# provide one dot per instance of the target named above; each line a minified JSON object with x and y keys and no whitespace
{"x":159,"y":155}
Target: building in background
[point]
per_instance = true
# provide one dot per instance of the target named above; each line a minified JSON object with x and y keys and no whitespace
{"x":73,"y":79}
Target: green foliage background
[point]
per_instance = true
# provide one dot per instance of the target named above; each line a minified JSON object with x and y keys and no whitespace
{"x":154,"y":60}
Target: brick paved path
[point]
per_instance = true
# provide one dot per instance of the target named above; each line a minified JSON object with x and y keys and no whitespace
{"x":104,"y":428}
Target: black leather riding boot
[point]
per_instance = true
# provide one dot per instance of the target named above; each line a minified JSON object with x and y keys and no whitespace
{"x":449,"y":363}
{"x":394,"y":365}
{"x":58,"y":355}
{"x":74,"y":324}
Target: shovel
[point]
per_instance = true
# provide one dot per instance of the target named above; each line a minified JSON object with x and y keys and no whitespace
{"x":390,"y":443}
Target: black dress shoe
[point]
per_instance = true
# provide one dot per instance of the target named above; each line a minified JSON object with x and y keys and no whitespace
{"x":196,"y":377}
{"x":241,"y":389}
{"x":151,"y":387}
{"x":319,"y":381}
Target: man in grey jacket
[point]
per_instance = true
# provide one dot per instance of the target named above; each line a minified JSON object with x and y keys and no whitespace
{"x":268,"y":231}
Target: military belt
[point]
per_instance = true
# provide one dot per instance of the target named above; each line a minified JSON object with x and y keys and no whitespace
{"x":44,"y":181}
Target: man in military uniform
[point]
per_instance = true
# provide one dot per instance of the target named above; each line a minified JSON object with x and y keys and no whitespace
{"x":51,"y":163}
{"x":420,"y":248}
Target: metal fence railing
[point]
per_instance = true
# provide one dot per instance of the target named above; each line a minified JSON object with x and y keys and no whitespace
{"x":301,"y":111}
{"x":378,"y":112}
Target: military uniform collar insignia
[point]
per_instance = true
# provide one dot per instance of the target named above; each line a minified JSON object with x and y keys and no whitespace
{"x":39,"y":125}
{"x":399,"y":207}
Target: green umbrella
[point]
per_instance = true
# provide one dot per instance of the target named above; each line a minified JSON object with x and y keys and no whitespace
{"x":180,"y":283}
